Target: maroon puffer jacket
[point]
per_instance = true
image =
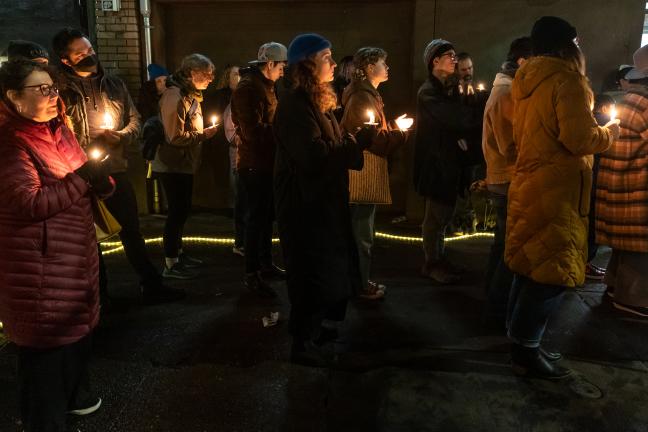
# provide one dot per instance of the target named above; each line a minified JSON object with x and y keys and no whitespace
{"x":49,"y":269}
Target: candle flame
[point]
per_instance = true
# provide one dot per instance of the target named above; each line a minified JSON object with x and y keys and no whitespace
{"x":613,"y":113}
{"x":108,"y":122}
{"x":372,"y":117}
{"x":404,"y":123}
{"x":481,"y":87}
{"x":95,"y":154}
{"x":214,"y":119}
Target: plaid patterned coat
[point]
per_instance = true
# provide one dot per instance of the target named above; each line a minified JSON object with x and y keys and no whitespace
{"x":622,"y":184}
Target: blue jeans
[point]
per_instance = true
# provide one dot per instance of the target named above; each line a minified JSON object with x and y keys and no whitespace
{"x":529,"y":308}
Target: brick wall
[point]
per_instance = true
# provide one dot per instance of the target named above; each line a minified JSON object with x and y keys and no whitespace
{"x":118,"y":43}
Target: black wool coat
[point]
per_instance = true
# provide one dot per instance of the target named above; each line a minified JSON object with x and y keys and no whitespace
{"x":442,"y":118}
{"x":311,"y":185}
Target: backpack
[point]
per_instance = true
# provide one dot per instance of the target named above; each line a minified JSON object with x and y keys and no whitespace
{"x":152,"y":137}
{"x":153,"y":133}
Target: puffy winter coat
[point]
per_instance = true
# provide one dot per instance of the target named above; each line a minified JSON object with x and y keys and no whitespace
{"x":49,"y":269}
{"x":549,"y":197}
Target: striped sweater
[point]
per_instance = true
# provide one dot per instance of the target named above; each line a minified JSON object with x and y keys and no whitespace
{"x":622,"y":183}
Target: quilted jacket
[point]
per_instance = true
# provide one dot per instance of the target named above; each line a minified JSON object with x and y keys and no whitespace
{"x":549,"y":197}
{"x":49,"y":269}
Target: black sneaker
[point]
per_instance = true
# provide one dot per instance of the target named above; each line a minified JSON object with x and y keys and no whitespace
{"x":190,"y":262}
{"x":255,"y":283}
{"x":161,"y":294}
{"x":85,"y":407}
{"x":178,"y":271}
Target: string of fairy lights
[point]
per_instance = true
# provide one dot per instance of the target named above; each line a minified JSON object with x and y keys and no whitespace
{"x":114,"y":247}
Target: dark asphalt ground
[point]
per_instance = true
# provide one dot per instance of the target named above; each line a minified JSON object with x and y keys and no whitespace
{"x":425,"y":359}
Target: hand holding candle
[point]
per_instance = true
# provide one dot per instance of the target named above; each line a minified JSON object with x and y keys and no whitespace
{"x":404,"y":123}
{"x":613,"y":117}
{"x":108,"y":123}
{"x":372,"y":118}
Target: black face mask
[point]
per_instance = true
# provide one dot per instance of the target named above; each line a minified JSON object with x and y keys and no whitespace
{"x":88,"y":64}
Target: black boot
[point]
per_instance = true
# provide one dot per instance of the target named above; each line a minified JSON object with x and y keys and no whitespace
{"x":529,"y":362}
{"x":273,"y":271}
{"x":551,"y":356}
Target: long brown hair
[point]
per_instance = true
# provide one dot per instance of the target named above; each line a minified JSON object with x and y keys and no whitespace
{"x":304,"y":75}
{"x":572,"y":53}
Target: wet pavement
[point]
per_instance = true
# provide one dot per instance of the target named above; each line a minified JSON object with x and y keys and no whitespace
{"x":425,"y":359}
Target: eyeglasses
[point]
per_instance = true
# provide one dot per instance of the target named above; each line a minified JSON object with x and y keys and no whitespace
{"x":452,"y":56}
{"x":45,"y":89}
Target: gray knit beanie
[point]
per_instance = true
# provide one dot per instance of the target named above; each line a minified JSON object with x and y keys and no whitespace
{"x":435,"y":49}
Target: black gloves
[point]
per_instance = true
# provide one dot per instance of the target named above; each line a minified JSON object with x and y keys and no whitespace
{"x":365,"y":136}
{"x":95,"y":173}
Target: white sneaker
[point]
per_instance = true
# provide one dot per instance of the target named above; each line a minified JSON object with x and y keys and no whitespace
{"x":89,"y":409}
{"x":238,"y":250}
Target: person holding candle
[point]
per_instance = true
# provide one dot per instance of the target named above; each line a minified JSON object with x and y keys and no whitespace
{"x":604,"y":111}
{"x":218,"y":103}
{"x":253,"y":108}
{"x":555,"y":135}
{"x":443,"y":126}
{"x":103,"y":116}
{"x":49,"y":268}
{"x":311,"y":184}
{"x":622,"y":197}
{"x":178,"y":158}
{"x":500,"y":154}
{"x":370,"y":186}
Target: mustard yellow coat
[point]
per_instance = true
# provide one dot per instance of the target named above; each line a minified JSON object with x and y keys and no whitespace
{"x":549,"y":197}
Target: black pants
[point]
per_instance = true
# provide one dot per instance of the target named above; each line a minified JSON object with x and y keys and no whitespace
{"x":499,"y":278}
{"x":240,"y":210}
{"x":50,"y":381}
{"x":122,"y":204}
{"x":178,"y":189}
{"x":258,"y":225}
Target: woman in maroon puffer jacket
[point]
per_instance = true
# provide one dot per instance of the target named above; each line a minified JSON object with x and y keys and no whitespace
{"x":49,"y":296}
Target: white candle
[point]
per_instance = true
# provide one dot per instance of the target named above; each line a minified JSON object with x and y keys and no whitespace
{"x":214,"y":119}
{"x":108,"y":122}
{"x":404,"y":123}
{"x":372,"y":118}
{"x":613,"y":113}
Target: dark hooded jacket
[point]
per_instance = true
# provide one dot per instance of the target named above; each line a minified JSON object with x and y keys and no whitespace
{"x":441,"y":120}
{"x":115,"y":97}
{"x":253,"y":109}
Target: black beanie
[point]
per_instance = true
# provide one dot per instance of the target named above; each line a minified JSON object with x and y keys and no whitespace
{"x":550,"y":34}
{"x":26,"y":50}
{"x":520,"y":48}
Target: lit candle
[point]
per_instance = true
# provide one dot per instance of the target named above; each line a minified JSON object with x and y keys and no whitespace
{"x":613,"y":113}
{"x":372,"y":118}
{"x":470,"y":90}
{"x":95,"y":154}
{"x":404,"y":123}
{"x":214,"y":119}
{"x":481,"y":87}
{"x":108,"y":122}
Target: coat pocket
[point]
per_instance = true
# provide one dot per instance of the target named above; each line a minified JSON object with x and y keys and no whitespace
{"x":585,"y":192}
